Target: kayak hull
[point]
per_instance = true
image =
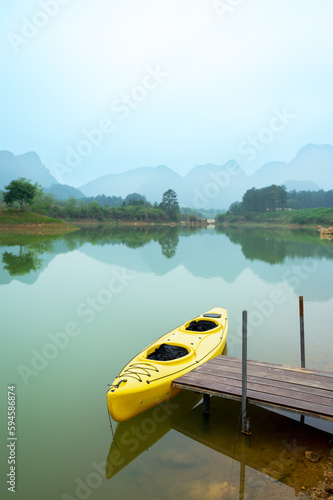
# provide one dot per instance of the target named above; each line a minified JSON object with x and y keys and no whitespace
{"x":144,"y":383}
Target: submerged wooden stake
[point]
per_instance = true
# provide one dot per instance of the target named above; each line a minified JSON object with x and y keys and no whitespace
{"x":206,"y":404}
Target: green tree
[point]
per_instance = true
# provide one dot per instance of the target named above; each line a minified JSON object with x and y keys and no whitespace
{"x":95,"y":211}
{"x":22,"y":191}
{"x":43,"y":203}
{"x":235,"y":208}
{"x":193,"y":219}
{"x":71,"y":207}
{"x":170,"y":205}
{"x":268,"y":198}
{"x":249,"y":200}
{"x":135,"y":199}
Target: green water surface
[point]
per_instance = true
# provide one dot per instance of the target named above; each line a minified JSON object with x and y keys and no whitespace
{"x":75,"y":309}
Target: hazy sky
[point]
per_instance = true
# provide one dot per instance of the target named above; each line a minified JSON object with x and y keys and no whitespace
{"x":104,"y":86}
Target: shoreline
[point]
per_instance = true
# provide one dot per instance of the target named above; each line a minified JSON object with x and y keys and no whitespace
{"x":87,"y":223}
{"x":269,"y":225}
{"x":38,"y":229}
{"x":69,"y":226}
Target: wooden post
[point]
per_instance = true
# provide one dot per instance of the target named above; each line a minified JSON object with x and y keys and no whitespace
{"x":206,"y":404}
{"x":301,"y":321}
{"x":245,"y":423}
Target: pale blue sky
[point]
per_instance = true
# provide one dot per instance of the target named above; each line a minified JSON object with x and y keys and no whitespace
{"x":184,"y":82}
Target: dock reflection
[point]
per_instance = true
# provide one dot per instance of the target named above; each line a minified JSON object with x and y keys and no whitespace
{"x":276,"y":447}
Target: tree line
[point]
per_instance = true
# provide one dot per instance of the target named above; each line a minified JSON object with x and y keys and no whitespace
{"x":275,"y":197}
{"x":310,"y":199}
{"x":23,"y":194}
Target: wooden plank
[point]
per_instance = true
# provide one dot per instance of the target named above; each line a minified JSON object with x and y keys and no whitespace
{"x":273,"y":374}
{"x":260,"y":403}
{"x":292,"y":390}
{"x":294,"y":385}
{"x":282,"y":386}
{"x":231,"y":359}
{"x":284,"y":403}
{"x":198,"y":383}
{"x":270,"y":369}
{"x":290,"y":384}
{"x":263,"y":387}
{"x":294,"y":410}
{"x":230,"y":385}
{"x":298,"y":369}
{"x":254,"y":396}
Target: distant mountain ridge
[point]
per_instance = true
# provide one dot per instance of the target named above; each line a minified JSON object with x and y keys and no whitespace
{"x":214,"y":186}
{"x":204,"y":186}
{"x":27,"y":165}
{"x":63,"y":192}
{"x":312,"y":163}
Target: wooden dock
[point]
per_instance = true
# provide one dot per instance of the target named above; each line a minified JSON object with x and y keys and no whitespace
{"x":308,"y":392}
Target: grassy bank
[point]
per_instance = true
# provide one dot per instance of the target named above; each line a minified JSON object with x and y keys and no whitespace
{"x":292,"y":218}
{"x":23,"y":221}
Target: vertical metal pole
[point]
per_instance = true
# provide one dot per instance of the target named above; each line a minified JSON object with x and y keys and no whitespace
{"x":244,"y":371}
{"x":301,"y":322}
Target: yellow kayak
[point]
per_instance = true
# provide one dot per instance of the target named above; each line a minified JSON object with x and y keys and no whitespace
{"x":147,"y":379}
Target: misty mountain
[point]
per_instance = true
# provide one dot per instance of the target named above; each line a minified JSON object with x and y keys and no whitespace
{"x":292,"y":185}
{"x":214,"y":186}
{"x":63,"y":191}
{"x":159,"y":180}
{"x":312,"y":163}
{"x":148,"y":181}
{"x":203,"y":187}
{"x":27,"y":165}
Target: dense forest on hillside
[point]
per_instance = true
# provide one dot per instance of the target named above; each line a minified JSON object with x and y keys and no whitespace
{"x":277,"y":198}
{"x":273,"y":204}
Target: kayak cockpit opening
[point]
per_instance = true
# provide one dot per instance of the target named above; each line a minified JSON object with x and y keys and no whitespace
{"x":201,"y":325}
{"x":168,"y":352}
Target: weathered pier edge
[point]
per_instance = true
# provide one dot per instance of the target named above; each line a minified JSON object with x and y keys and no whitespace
{"x":296,"y":389}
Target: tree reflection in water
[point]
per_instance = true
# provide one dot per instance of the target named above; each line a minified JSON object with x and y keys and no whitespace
{"x":169,"y":243}
{"x":21,"y":264}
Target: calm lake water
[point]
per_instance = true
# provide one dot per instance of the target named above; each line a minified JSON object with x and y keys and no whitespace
{"x":75,"y":309}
